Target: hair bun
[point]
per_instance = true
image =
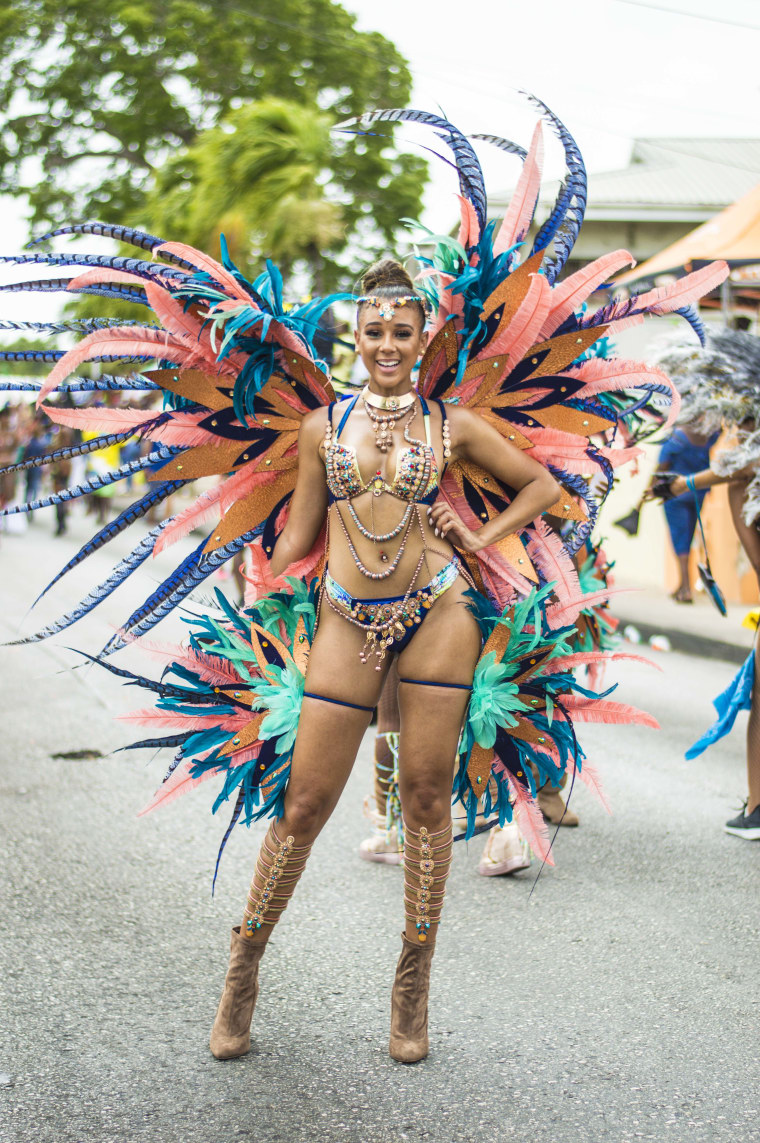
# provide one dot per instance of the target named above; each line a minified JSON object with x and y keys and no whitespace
{"x":387,"y":273}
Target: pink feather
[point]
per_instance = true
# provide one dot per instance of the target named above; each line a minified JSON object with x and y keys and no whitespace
{"x":102,"y":275}
{"x":122,"y":341}
{"x":184,"y":722}
{"x":449,"y":305}
{"x":590,"y":658}
{"x":523,"y":203}
{"x":546,"y":550}
{"x":522,"y":332}
{"x":213,"y":503}
{"x":570,"y":295}
{"x":211,"y":669}
{"x":602,"y":376}
{"x":551,"y":446}
{"x":182,"y":324}
{"x":666,"y":299}
{"x":529,"y":817}
{"x":590,"y":775}
{"x":200,"y":512}
{"x":469,"y":229}
{"x":101,"y":420}
{"x":602,"y":710}
{"x":178,"y":783}
{"x":182,"y":429}
{"x":490,"y":560}
{"x":684,"y":292}
{"x":214,"y":269}
{"x":259,"y":578}
{"x":565,"y":612}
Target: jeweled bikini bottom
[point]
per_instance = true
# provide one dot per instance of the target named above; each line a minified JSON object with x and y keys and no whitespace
{"x":390,"y":623}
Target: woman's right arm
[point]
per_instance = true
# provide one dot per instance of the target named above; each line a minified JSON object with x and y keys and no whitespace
{"x":309,"y":504}
{"x":708,"y":478}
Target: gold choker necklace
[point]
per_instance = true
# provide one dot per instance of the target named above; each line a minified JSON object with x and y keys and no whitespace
{"x":391,"y":404}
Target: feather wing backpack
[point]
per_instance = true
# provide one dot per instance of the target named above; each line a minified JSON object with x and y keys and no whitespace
{"x":238,"y":371}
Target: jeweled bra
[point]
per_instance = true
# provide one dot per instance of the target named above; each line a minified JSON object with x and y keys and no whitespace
{"x":416,"y":478}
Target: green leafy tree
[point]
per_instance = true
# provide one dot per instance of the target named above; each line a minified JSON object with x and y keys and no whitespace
{"x":99,"y":96}
{"x":265,"y":179}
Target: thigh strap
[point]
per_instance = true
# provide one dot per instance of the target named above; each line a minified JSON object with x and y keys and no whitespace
{"x":430,"y":683}
{"x":338,"y":702}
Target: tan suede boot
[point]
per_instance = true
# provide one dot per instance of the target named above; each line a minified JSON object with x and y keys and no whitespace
{"x":409,"y":1003}
{"x":553,"y":807}
{"x":231,"y":1033}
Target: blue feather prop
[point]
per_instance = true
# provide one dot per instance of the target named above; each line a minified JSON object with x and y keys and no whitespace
{"x":471,"y":181}
{"x":157,"y":494}
{"x":176,"y":587}
{"x":70,"y":451}
{"x":125,"y":234}
{"x":137,"y":266}
{"x":161,"y":454}
{"x":122,"y":570}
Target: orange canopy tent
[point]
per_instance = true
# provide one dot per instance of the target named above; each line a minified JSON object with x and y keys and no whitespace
{"x":734,"y":235}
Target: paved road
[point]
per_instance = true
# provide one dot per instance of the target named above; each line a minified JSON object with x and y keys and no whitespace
{"x":617,"y":1003}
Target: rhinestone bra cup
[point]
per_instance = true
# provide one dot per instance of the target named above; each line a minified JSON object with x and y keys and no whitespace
{"x":416,"y":473}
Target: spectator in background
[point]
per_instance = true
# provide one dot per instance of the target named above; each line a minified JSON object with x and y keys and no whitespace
{"x":60,"y":473}
{"x":36,"y":446}
{"x":685,"y":452}
{"x":8,"y":455}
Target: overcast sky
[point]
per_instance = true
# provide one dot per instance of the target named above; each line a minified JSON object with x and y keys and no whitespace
{"x":611,"y":69}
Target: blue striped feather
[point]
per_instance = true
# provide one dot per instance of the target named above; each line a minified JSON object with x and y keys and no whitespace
{"x":137,"y":266}
{"x":70,"y":451}
{"x":164,"y":690}
{"x":124,"y":234}
{"x":75,"y":325}
{"x":115,"y":290}
{"x":185,"y":579}
{"x":50,"y":356}
{"x":577,"y":536}
{"x":503,"y":144}
{"x":122,"y":570}
{"x":157,"y":743}
{"x":157,"y":494}
{"x":105,"y":383}
{"x":691,"y":315}
{"x":566,"y":217}
{"x":161,"y":454}
{"x":468,"y":168}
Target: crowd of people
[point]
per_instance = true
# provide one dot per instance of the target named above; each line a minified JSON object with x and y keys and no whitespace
{"x":27,"y":436}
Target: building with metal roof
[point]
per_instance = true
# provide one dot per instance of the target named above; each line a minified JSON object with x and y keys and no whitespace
{"x":670,"y":186}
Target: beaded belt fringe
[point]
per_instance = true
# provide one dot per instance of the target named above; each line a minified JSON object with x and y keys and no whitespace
{"x":388,"y":621}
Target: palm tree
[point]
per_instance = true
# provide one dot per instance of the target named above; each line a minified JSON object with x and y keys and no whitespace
{"x":259,"y":178}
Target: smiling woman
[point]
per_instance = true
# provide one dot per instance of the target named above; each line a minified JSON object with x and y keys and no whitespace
{"x":406,"y":524}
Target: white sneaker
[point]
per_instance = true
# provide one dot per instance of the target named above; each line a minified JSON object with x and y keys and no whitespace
{"x":506,"y":852}
{"x":383,"y":846}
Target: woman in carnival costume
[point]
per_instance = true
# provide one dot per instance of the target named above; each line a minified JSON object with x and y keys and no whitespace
{"x":720,"y":388}
{"x":409,"y":523}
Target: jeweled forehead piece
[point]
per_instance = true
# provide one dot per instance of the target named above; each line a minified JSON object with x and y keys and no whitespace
{"x":388,"y":306}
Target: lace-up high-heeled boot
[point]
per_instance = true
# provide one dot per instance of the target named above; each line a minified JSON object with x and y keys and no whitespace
{"x":427,"y":860}
{"x":279,"y":866}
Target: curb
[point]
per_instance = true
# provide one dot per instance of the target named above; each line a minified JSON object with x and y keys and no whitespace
{"x":688,"y":643}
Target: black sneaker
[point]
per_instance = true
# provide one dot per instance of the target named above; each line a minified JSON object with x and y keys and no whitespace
{"x":745,"y":825}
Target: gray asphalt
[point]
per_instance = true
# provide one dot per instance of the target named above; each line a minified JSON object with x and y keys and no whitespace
{"x":615,"y":1003}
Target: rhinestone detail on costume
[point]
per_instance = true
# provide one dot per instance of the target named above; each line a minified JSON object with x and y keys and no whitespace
{"x":255,"y":918}
{"x":427,"y":865}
